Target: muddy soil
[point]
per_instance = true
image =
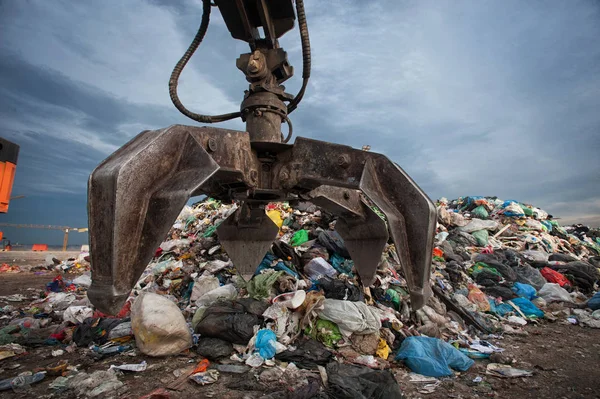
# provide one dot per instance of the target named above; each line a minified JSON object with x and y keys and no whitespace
{"x":564,"y":358}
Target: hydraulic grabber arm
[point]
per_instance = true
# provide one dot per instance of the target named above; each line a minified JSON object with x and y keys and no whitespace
{"x":135,"y":195}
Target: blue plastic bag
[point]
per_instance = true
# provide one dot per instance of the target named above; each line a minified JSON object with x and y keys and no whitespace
{"x":524,"y":290}
{"x":500,"y":309}
{"x":279,"y":266}
{"x":527,"y":307}
{"x":341,"y":264}
{"x":265,"y":343}
{"x":432,"y":357}
{"x":594,"y":302}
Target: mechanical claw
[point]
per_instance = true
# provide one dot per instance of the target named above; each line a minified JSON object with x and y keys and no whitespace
{"x":135,"y":195}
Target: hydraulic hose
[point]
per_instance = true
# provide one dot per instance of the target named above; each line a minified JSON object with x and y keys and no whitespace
{"x":305,"y":55}
{"x":174,"y":80}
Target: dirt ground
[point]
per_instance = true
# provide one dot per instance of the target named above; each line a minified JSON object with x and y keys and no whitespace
{"x":564,"y":358}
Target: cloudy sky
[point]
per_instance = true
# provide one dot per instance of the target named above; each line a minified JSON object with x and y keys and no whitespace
{"x":469,"y":97}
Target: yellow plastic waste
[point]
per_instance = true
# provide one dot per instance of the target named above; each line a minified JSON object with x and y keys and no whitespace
{"x":275,"y":216}
{"x":383,"y":349}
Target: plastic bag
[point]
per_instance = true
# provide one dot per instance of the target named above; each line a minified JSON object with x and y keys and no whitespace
{"x":478,"y":298}
{"x":299,"y":238}
{"x":360,"y":382}
{"x":339,"y":289}
{"x":325,"y":331}
{"x":536,"y":256}
{"x":265,"y":343}
{"x":482,"y":237}
{"x":528,"y":275}
{"x":341,"y":264}
{"x":594,"y":302}
{"x":527,"y":307}
{"x":524,"y":290}
{"x":158,"y":325}
{"x":478,"y":224}
{"x":77,"y":314}
{"x":318,"y":268}
{"x":85,"y":280}
{"x":350,"y":317}
{"x":261,"y":286}
{"x":214,"y":348}
{"x":513,"y":209}
{"x":334,"y":243}
{"x":432,"y":357}
{"x":224,"y":292}
{"x":308,"y":355}
{"x":203,"y":285}
{"x":552,"y":292}
{"x":552,"y":276}
{"x":231,"y":321}
{"x":480,"y":212}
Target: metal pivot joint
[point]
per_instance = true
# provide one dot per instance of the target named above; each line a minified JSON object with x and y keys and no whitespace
{"x":135,"y":195}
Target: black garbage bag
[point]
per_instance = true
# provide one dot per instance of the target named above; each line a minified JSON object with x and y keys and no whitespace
{"x":231,"y":321}
{"x":489,"y":277}
{"x":95,"y":329}
{"x":581,"y":273}
{"x":360,"y":382}
{"x":334,"y":243}
{"x":513,"y":259}
{"x":453,"y":257}
{"x":528,"y":275}
{"x":499,"y":291}
{"x":308,"y":355}
{"x":506,"y":271}
{"x":595,"y":261}
{"x":586,"y":268}
{"x":214,"y":348}
{"x":286,"y":252}
{"x":338,"y":289}
{"x":310,"y":390}
{"x":557,"y":257}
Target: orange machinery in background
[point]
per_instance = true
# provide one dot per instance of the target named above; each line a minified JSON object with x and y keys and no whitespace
{"x":9,"y":153}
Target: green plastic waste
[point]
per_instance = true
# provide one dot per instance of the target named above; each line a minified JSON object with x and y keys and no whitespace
{"x":210,"y":231}
{"x":482,"y":237}
{"x":259,"y":287}
{"x":299,"y":238}
{"x":479,"y":266}
{"x":394,"y":297}
{"x":480,"y":212}
{"x":527,"y":210}
{"x":324,"y":331}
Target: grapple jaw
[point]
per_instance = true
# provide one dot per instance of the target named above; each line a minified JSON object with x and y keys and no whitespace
{"x":136,"y":194}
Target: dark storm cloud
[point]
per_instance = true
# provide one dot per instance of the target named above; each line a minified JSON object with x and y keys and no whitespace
{"x":470,"y":98}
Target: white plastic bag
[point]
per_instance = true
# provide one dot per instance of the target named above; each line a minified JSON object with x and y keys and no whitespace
{"x":479,"y":224}
{"x":319,"y":267}
{"x":350,"y":317}
{"x":77,"y":314}
{"x":203,"y":285}
{"x":158,"y":325}
{"x":552,"y":292}
{"x":227,"y":291}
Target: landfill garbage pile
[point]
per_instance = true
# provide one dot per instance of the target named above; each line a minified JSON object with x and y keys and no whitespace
{"x":302,"y":324}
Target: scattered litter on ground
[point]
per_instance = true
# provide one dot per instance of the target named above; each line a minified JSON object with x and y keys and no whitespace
{"x":303,"y":324}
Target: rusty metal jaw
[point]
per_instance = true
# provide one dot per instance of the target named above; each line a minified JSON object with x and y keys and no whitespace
{"x":135,"y":195}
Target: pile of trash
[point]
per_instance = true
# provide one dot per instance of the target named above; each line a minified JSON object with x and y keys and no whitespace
{"x":302,"y":324}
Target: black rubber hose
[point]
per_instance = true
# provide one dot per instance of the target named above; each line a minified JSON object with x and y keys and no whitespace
{"x":174,"y":80}
{"x":305,"y":55}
